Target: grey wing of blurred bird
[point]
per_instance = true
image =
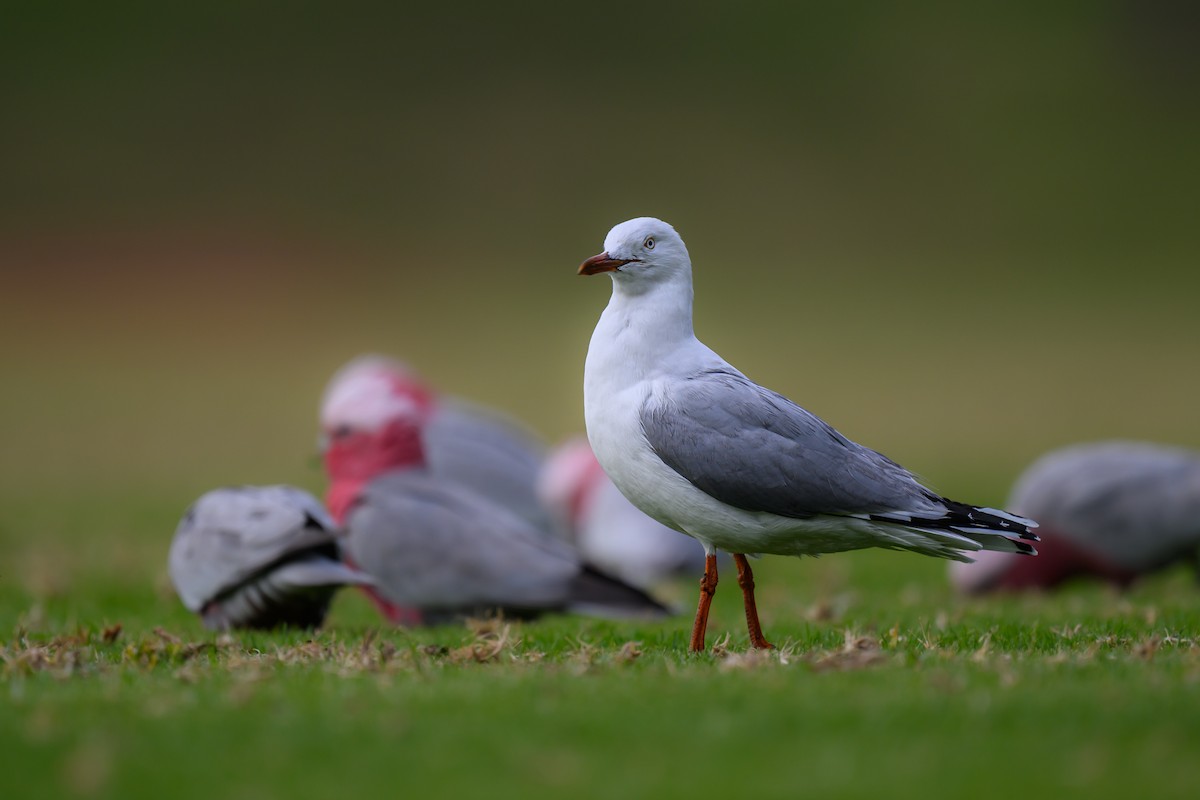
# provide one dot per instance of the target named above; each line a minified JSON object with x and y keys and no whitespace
{"x":446,"y":550}
{"x":491,"y":454}
{"x":1135,"y":503}
{"x":258,"y":557}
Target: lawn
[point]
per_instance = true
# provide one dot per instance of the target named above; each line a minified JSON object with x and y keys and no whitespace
{"x":883,"y":683}
{"x":132,"y":404}
{"x":963,"y":237}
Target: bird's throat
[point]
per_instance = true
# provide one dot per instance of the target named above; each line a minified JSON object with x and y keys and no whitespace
{"x":353,"y":460}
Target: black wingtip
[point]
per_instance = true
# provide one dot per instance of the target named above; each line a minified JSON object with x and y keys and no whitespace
{"x":312,"y":522}
{"x":593,"y":587}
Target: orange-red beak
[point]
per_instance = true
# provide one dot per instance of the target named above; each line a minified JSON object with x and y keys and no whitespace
{"x":602,"y":263}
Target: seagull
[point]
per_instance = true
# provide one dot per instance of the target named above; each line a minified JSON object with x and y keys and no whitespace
{"x":258,"y":557}
{"x":609,"y":531}
{"x":437,"y":549}
{"x":700,"y":447}
{"x":1111,"y":510}
{"x":463,"y":442}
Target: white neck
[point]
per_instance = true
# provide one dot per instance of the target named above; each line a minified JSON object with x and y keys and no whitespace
{"x":645,"y":331}
{"x":664,"y":307}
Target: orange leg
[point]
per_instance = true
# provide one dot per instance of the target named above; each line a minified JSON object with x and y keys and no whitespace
{"x":746,"y":581}
{"x":708,"y":587}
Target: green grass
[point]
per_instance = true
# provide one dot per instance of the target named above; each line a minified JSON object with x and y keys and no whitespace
{"x":884,"y":683}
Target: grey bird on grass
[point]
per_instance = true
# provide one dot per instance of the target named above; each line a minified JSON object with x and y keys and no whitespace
{"x":1111,"y":511}
{"x":258,"y":557}
{"x":449,"y":553}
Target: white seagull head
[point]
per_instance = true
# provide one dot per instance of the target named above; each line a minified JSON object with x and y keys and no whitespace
{"x":641,"y":253}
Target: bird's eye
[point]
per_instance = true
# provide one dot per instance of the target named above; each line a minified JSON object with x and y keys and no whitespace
{"x":649,"y":243}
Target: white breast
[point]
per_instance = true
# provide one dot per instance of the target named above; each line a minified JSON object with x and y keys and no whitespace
{"x":639,"y":345}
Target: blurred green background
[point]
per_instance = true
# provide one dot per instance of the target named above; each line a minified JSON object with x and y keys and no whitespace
{"x":962,"y":235}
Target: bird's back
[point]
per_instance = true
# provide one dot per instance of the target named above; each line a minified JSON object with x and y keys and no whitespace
{"x":443,"y":549}
{"x":435,"y":545}
{"x":490,"y":454}
{"x":1134,"y":503}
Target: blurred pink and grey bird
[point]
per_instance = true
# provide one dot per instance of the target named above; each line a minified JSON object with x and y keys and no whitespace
{"x":1111,"y":511}
{"x":258,"y":557}
{"x":463,"y":442}
{"x":437,"y":548}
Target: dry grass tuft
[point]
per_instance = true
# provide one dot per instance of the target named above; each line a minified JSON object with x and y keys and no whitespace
{"x":493,"y":637}
{"x":720,"y":648}
{"x":583,"y":657}
{"x":1146,"y":648}
{"x":749,"y":660}
{"x":981,"y":654}
{"x":628,"y":653}
{"x":857,"y":652}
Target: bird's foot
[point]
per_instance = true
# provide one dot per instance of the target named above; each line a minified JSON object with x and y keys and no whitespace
{"x":746,"y":581}
{"x":708,"y":587}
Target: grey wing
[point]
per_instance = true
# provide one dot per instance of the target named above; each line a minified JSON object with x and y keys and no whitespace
{"x":230,"y":534}
{"x":491,"y":454}
{"x":754,"y":449}
{"x":436,"y":545}
{"x":1136,"y":503}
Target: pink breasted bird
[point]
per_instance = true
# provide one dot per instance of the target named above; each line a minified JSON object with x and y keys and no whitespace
{"x":437,"y":548}
{"x":478,"y":447}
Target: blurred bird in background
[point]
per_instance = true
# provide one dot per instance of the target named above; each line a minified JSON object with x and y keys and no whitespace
{"x":439,"y":548}
{"x":1111,"y":511}
{"x":258,"y":557}
{"x":462,"y":442}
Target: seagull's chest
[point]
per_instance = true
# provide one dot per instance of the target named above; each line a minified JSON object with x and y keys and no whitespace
{"x":616,"y":387}
{"x":615,"y":431}
{"x":629,"y":366}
